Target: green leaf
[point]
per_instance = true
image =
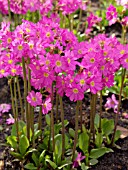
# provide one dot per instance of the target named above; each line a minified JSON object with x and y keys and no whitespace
{"x":53,"y":165}
{"x":117,"y":135}
{"x":93,"y":161}
{"x":96,"y":121}
{"x":64,"y":163}
{"x":71,"y":132}
{"x":84,"y":167}
{"x":30,"y":166}
{"x":23,"y":144}
{"x":21,"y":124}
{"x":37,"y":134}
{"x":12,"y":140}
{"x":99,"y":140}
{"x":96,"y":153}
{"x":47,"y":117}
{"x":16,"y":155}
{"x":35,"y":158}
{"x":41,"y":158}
{"x":83,"y":141}
{"x":108,"y":127}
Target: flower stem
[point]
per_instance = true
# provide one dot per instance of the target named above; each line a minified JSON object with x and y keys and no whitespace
{"x":20,"y":98}
{"x":63,"y":128}
{"x":100,"y":111}
{"x":25,"y":95}
{"x":92,"y":115}
{"x":16,"y":106}
{"x":81,"y":115}
{"x":76,"y":129}
{"x":57,"y":103}
{"x":119,"y":104}
{"x":52,"y":124}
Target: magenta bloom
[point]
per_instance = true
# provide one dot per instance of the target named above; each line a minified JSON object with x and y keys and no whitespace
{"x":75,"y":92}
{"x":78,"y":160}
{"x":111,"y":14}
{"x":10,"y":121}
{"x":111,"y":102}
{"x":34,"y":99}
{"x":4,"y":107}
{"x":46,"y":106}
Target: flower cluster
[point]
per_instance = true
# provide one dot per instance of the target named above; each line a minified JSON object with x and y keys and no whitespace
{"x":56,"y":56}
{"x":44,"y":6}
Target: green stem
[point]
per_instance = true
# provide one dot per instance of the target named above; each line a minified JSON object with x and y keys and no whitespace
{"x":57,"y":104}
{"x":20,"y":98}
{"x":40,"y":115}
{"x":80,"y":17}
{"x":25,"y":95}
{"x":81,"y":115}
{"x":16,"y":106}
{"x":13,"y":104}
{"x":100,"y":111}
{"x":76,"y":129}
{"x":63,"y":128}
{"x":9,"y":13}
{"x":52,"y":124}
{"x":92,"y":115}
{"x":119,"y":104}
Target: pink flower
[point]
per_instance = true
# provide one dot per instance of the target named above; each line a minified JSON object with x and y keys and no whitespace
{"x":46,"y":106}
{"x":111,"y":14}
{"x":10,"y":121}
{"x":77,"y":161}
{"x":4,"y":107}
{"x":34,"y":99}
{"x":75,"y":92}
{"x":111,"y":102}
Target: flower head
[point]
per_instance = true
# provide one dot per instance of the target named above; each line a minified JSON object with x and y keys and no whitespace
{"x":10,"y":121}
{"x":112,"y":102}
{"x":77,"y":161}
{"x":111,"y":14}
{"x":34,"y":98}
{"x":46,"y":106}
{"x":4,"y":107}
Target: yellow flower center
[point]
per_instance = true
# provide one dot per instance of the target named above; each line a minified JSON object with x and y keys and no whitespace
{"x":2,"y":71}
{"x":8,"y":54}
{"x":126,"y":60}
{"x":69,"y":60}
{"x":34,"y":99}
{"x":122,"y":51}
{"x":10,"y":61}
{"x":31,"y":46}
{"x":48,"y":34}
{"x":46,"y":74}
{"x":75,"y":90}
{"x":9,"y":40}
{"x":47,"y":62}
{"x":79,"y":51}
{"x":102,"y":67}
{"x":13,"y":70}
{"x":106,"y":79}
{"x":105,"y":53}
{"x":58,"y":63}
{"x":20,"y":47}
{"x":92,"y":83}
{"x":82,"y":82}
{"x":45,"y":105}
{"x":92,"y":60}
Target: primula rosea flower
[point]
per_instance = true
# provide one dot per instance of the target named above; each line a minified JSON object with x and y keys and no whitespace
{"x":111,"y":102}
{"x":75,"y":92}
{"x":46,"y":106}
{"x":10,"y":121}
{"x":34,"y":98}
{"x":77,"y":161}
{"x":111,"y":14}
{"x":4,"y":107}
